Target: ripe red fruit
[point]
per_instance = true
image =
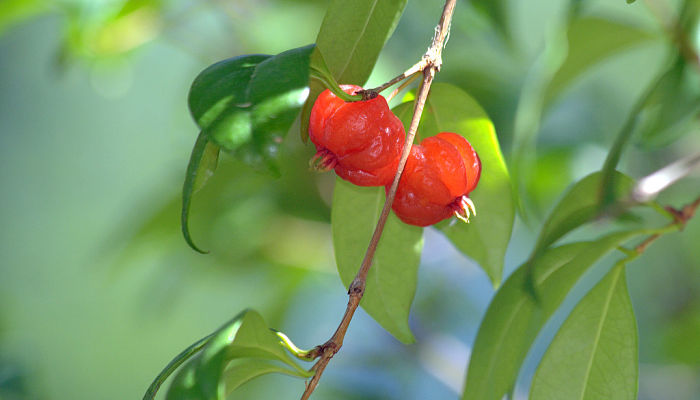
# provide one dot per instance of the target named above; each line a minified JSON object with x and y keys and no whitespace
{"x":440,"y":173}
{"x":361,"y":140}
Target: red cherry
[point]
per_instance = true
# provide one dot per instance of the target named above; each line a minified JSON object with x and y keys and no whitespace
{"x":439,"y":175}
{"x":361,"y":140}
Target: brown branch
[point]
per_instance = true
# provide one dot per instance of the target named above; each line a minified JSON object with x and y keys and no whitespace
{"x":429,"y":65}
{"x":401,"y":87}
{"x":680,"y":219}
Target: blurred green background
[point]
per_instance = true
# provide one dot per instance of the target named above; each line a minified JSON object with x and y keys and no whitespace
{"x":98,"y":290}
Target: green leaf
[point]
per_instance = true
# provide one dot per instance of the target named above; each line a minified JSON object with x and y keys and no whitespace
{"x":578,"y":206}
{"x":672,"y":107}
{"x":485,"y":238}
{"x":247,"y":369}
{"x":594,"y":354}
{"x":237,"y":352}
{"x":351,"y":37}
{"x":247,"y":104}
{"x":172,"y":366}
{"x":591,"y":40}
{"x":496,"y":11}
{"x":515,"y":317}
{"x":353,"y":33}
{"x":391,"y":283}
{"x":203,"y":161}
{"x":15,"y":11}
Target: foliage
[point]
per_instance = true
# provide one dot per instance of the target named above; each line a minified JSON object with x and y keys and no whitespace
{"x":247,"y":179}
{"x":253,"y":100}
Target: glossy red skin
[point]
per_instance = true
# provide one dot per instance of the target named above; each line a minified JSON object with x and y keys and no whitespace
{"x":469,"y":156}
{"x":365,"y":137}
{"x":325,"y":105}
{"x":438,"y":172}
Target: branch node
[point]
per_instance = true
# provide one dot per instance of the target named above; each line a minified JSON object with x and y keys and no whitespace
{"x":357,"y":287}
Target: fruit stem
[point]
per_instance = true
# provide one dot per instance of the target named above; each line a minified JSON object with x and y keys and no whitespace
{"x":429,"y":66}
{"x":401,"y":87}
{"x":331,"y":84}
{"x":411,"y":72}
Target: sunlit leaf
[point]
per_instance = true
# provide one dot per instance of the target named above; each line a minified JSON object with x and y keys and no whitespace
{"x":391,"y":283}
{"x":515,"y":317}
{"x":247,"y":104}
{"x":594,"y":354}
{"x":591,"y":40}
{"x":203,"y":161}
{"x":578,"y":206}
{"x":351,"y":36}
{"x":485,"y":238}
{"x":239,"y":351}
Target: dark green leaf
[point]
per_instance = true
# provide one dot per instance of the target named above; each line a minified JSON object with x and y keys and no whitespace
{"x":594,"y":354}
{"x":485,"y":238}
{"x":515,"y":317}
{"x":203,"y":161}
{"x":391,"y":283}
{"x":247,"y":104}
{"x":239,"y":351}
{"x":591,"y":40}
{"x":351,"y":36}
{"x":578,"y":206}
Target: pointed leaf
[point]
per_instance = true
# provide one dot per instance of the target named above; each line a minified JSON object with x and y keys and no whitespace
{"x":594,"y":354}
{"x":203,"y":161}
{"x":485,"y":238}
{"x":351,"y":36}
{"x":515,"y":317}
{"x":578,"y":206}
{"x":392,"y":279}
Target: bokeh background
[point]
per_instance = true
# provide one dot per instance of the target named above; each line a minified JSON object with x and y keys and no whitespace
{"x":98,"y":290}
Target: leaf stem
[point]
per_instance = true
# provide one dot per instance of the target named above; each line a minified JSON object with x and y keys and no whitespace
{"x":680,"y":219}
{"x":401,"y":87}
{"x":429,"y":65}
{"x":329,"y":82}
{"x":409,"y":73}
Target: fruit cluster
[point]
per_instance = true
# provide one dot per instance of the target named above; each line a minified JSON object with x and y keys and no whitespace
{"x":362,"y":141}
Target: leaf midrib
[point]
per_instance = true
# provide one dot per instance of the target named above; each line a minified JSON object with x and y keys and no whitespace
{"x":606,"y":309}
